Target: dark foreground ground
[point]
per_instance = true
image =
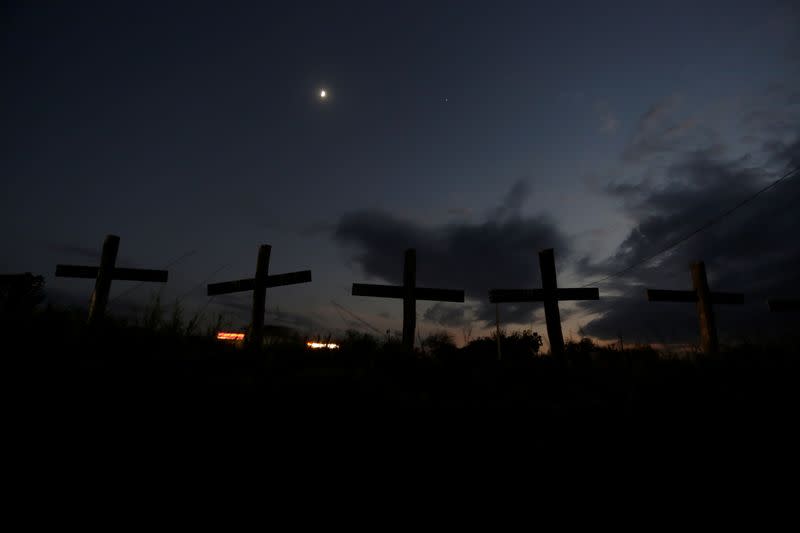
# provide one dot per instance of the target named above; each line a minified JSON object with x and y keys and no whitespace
{"x":124,"y":368}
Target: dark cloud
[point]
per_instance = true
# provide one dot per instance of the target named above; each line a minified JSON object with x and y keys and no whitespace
{"x":517,"y":195}
{"x":460,"y":211}
{"x":662,"y":131}
{"x":753,"y":250}
{"x":448,"y":315}
{"x":609,"y":123}
{"x":73,"y":253}
{"x":69,"y":251}
{"x":500,"y":251}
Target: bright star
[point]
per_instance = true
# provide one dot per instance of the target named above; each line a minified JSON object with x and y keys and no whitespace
{"x":323,"y":94}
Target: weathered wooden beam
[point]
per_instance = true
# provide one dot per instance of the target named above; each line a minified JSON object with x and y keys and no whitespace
{"x":121,"y":274}
{"x":227,"y":287}
{"x":99,"y":298}
{"x":275,"y":280}
{"x":705,"y":309}
{"x":380,"y":291}
{"x":259,"y":285}
{"x":259,"y":296}
{"x":784,"y":305}
{"x":724,"y":298}
{"x":290,"y":278}
{"x":704,"y":299}
{"x":76,"y":271}
{"x":409,"y":298}
{"x":439,"y":295}
{"x":410,"y":293}
{"x":547,"y":266}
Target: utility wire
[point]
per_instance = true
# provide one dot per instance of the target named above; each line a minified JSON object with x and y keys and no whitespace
{"x":352,"y":314}
{"x":694,"y":232}
{"x":204,"y":282}
{"x":173,"y":263}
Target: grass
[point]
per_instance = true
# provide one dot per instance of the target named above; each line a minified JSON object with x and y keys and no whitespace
{"x":162,"y":358}
{"x":160,"y":361}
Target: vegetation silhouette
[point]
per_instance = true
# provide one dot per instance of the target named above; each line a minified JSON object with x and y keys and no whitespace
{"x":162,"y":360}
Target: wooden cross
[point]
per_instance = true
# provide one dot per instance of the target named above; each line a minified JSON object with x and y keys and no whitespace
{"x":259,"y":286}
{"x":103,"y":275}
{"x":410,"y":293}
{"x":784,"y":306}
{"x":550,"y":294}
{"x":704,"y":299}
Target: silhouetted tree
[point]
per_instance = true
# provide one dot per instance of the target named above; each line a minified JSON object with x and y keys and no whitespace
{"x":515,"y":346}
{"x":439,"y":344}
{"x":21,"y":295}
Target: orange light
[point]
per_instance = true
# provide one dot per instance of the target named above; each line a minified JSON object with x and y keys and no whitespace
{"x":318,"y":345}
{"x":222,"y":336}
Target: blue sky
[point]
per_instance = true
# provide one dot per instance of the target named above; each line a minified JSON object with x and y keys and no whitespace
{"x":197,"y":127}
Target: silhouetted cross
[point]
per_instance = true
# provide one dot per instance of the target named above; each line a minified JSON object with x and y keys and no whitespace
{"x":410,"y":293}
{"x":259,"y":286}
{"x":784,"y":306}
{"x":550,"y":294}
{"x":103,"y":275}
{"x":704,"y":298}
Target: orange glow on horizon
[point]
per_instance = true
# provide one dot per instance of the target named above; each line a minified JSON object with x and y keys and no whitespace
{"x":223,"y":336}
{"x":318,"y":345}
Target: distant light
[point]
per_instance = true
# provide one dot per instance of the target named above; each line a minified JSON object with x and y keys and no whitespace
{"x":223,"y":336}
{"x":323,"y":94}
{"x":318,"y":345}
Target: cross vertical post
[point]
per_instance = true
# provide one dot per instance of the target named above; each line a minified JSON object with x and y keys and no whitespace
{"x":705,"y":311}
{"x":497,"y":330}
{"x":547,"y":266}
{"x":550,"y":295}
{"x":102,"y":285}
{"x":259,"y":285}
{"x":704,"y":300}
{"x":409,"y":299}
{"x":260,"y":296}
{"x":409,"y":293}
{"x":104,"y":274}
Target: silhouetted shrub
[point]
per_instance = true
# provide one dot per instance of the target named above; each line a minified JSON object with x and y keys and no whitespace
{"x":21,"y":295}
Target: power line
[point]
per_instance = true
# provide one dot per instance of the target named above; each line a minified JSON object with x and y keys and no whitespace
{"x":173,"y":263}
{"x":691,"y":234}
{"x":204,"y":282}
{"x":352,"y":314}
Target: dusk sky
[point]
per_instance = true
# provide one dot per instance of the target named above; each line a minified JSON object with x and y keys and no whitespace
{"x":476,"y":132}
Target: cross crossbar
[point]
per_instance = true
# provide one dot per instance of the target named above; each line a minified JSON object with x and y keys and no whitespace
{"x":550,"y":294}
{"x":249,"y":284}
{"x":259,"y":285}
{"x":724,"y":298}
{"x":704,"y":299}
{"x":228,"y":287}
{"x":104,"y":274}
{"x":397,"y":291}
{"x":784,"y":306}
{"x":409,"y":293}
{"x":290,"y":278}
{"x":122,"y":274}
